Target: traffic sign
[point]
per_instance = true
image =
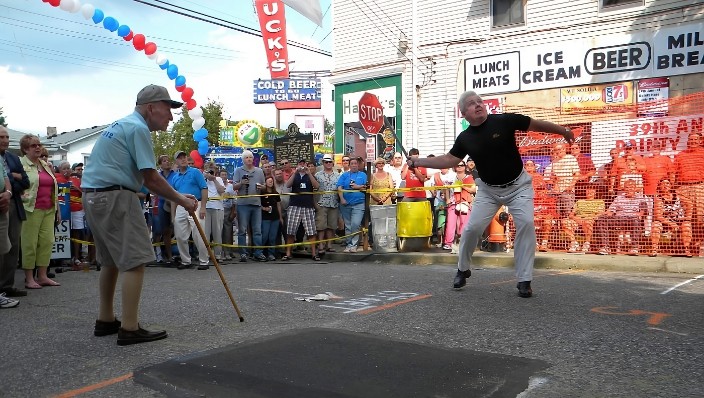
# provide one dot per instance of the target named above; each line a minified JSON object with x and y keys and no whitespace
{"x":371,"y":113}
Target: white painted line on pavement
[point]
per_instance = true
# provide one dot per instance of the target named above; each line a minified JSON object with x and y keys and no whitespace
{"x":682,"y":284}
{"x":668,"y":331}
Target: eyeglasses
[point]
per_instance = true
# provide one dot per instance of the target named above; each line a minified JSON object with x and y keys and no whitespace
{"x":327,"y":161}
{"x":461,"y":165}
{"x":345,"y":160}
{"x":284,"y":162}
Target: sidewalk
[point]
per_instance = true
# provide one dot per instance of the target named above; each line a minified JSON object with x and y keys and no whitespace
{"x":556,"y":260}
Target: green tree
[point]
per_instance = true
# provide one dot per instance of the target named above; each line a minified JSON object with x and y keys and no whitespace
{"x":329,"y":127}
{"x":181,"y":136}
{"x":2,"y":119}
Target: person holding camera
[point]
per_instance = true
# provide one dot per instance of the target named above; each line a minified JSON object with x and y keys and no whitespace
{"x":301,"y":207}
{"x":215,"y":210}
{"x":350,"y":187}
{"x":249,"y":184}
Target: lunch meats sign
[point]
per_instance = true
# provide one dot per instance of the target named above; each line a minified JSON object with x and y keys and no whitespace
{"x":667,"y":52}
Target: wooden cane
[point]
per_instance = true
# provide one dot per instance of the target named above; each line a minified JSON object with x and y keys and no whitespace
{"x":215,"y":262}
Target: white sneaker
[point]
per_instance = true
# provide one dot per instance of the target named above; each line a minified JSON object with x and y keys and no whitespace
{"x":6,"y":302}
{"x":585,"y":247}
{"x":574,"y":247}
{"x":347,"y":250}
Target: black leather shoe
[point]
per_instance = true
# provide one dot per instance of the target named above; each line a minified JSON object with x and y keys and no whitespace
{"x":14,"y":292}
{"x":461,"y":278}
{"x":524,"y":289}
{"x":106,"y":328}
{"x":127,"y":337}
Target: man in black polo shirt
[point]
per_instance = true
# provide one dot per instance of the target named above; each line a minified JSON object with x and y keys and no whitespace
{"x":301,"y":208}
{"x":490,"y":141}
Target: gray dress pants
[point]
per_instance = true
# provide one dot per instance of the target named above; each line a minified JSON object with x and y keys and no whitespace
{"x":518,"y":197}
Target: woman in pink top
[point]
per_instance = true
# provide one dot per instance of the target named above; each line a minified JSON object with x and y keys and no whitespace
{"x":40,"y":204}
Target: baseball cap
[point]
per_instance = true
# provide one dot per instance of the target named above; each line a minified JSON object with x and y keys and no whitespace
{"x":73,"y":167}
{"x":327,"y":156}
{"x":179,"y":153}
{"x":303,"y":160}
{"x":154,"y":93}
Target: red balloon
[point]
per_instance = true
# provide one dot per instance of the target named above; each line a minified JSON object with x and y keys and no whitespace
{"x":129,"y":36}
{"x":197,"y":159}
{"x":55,"y":3}
{"x":138,"y":41}
{"x":180,"y":88}
{"x":149,"y":48}
{"x":190,"y":104}
{"x":187,"y":94}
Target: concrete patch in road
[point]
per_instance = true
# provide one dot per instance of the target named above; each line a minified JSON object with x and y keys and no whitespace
{"x":320,"y":362}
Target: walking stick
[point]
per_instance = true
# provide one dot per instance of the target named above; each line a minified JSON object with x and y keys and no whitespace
{"x":215,"y":262}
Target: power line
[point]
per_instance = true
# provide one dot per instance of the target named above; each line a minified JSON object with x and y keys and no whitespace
{"x":316,"y":26}
{"x":110,"y":40}
{"x":386,"y":37}
{"x":392,"y":21}
{"x":228,"y":25}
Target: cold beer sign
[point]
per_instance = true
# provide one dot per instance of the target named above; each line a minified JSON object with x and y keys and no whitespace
{"x":371,"y":113}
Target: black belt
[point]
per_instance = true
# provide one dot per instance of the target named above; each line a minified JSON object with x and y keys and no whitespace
{"x":110,"y":188}
{"x":508,"y":184}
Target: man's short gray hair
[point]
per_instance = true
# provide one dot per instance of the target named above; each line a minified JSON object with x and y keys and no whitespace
{"x":247,"y":154}
{"x":463,"y":97}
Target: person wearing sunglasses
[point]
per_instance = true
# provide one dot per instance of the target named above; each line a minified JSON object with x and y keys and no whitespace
{"x":490,"y":140}
{"x":328,"y":211}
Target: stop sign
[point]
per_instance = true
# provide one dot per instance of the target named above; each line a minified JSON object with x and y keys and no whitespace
{"x":371,"y":113}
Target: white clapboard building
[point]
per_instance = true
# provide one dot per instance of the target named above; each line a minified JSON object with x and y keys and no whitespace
{"x":417,"y":56}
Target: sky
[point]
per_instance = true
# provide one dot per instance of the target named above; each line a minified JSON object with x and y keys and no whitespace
{"x":58,"y":69}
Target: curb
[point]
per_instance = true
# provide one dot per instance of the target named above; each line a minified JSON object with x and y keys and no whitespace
{"x":621,"y":263}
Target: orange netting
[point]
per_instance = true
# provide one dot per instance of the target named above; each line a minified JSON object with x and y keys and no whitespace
{"x":632,"y":183}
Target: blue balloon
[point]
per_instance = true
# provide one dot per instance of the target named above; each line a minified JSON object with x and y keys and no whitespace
{"x":123,"y":30}
{"x":180,"y":81}
{"x":165,"y":66}
{"x":98,"y":15}
{"x":111,"y":24}
{"x":203,"y":147}
{"x":200,"y":134}
{"x":172,"y":71}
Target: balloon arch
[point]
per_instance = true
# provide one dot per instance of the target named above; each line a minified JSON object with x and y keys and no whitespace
{"x":150,"y":49}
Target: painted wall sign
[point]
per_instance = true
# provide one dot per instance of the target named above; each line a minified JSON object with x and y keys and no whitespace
{"x":670,"y":51}
{"x":313,"y":125}
{"x":385,"y":95}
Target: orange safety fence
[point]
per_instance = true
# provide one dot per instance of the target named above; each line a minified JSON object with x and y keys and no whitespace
{"x":632,"y":183}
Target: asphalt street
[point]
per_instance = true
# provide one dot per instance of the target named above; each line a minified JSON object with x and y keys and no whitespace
{"x":602,"y":334}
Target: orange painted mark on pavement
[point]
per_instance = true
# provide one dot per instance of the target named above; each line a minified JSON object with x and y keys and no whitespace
{"x":394,"y":304}
{"x":540,"y":276}
{"x":655,"y":318}
{"x":93,"y":387}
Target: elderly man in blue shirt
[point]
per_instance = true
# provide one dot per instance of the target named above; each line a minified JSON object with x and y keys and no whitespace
{"x":122,"y":161}
{"x":189,"y":180}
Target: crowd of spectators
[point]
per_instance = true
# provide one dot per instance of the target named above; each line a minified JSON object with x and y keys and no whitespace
{"x":652,"y":204}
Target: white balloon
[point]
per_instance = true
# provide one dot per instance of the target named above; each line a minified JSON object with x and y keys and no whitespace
{"x":66,"y":5}
{"x":161,"y":59}
{"x":196,"y":113}
{"x":152,"y":56}
{"x":198,"y":123}
{"x":88,"y":10}
{"x":76,"y":6}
